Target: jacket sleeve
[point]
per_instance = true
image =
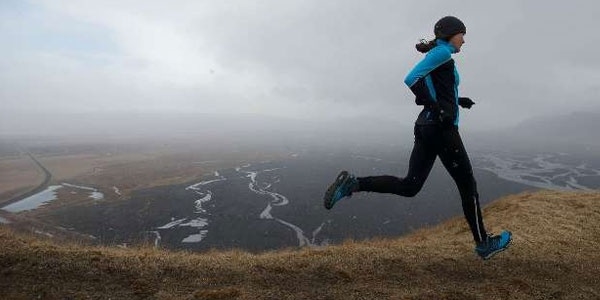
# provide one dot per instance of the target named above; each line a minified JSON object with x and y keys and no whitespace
{"x":415,"y":79}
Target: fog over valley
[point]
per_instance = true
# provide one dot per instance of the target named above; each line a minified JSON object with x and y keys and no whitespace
{"x":221,"y":124}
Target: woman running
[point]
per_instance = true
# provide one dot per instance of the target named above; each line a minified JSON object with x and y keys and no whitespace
{"x":434,"y":81}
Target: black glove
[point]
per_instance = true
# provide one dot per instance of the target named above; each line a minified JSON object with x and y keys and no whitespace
{"x":465,"y":102}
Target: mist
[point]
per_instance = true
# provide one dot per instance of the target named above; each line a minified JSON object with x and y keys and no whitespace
{"x":122,"y":67}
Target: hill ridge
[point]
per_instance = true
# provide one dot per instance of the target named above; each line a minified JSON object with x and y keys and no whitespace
{"x":554,"y":256}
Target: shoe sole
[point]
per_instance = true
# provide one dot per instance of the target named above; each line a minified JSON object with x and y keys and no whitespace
{"x":328,"y":199}
{"x":499,"y":250}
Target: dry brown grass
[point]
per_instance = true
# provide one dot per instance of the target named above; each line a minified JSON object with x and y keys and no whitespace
{"x":555,"y":256}
{"x":133,"y":171}
{"x":163,"y":169}
{"x":152,"y":171}
{"x":18,"y":175}
{"x":64,"y":167}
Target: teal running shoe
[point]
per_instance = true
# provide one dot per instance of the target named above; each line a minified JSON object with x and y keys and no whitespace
{"x":343,"y":186}
{"x":493,"y":244}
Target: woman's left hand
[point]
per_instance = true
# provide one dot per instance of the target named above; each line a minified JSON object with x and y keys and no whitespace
{"x":465,"y":102}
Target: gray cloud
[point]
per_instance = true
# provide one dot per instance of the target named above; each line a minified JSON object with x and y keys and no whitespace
{"x":301,"y":59}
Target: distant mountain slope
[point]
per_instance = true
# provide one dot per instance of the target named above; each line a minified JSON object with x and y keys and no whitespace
{"x":578,"y":130}
{"x":577,"y":126}
{"x":555,"y":256}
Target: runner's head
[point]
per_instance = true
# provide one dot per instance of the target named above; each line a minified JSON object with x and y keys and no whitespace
{"x":450,"y":29}
{"x":447,"y":27}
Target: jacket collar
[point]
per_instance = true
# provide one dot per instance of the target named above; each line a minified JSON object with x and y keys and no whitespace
{"x":446,"y":44}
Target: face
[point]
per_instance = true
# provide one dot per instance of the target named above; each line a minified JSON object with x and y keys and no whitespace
{"x":457,"y":41}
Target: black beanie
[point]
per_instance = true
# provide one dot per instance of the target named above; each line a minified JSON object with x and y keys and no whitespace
{"x":448,"y":26}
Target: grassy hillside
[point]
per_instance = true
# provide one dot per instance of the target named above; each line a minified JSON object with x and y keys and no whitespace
{"x":555,"y":255}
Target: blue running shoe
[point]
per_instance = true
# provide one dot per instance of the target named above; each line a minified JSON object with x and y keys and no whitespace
{"x":343,"y":186}
{"x":493,"y":244}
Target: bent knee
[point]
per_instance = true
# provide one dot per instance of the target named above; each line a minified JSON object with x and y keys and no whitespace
{"x":412,"y":190}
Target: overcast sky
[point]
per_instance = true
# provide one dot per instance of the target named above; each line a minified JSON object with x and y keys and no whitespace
{"x":300,"y":59}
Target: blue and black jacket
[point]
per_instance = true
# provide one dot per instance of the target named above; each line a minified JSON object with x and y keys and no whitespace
{"x":434,"y":81}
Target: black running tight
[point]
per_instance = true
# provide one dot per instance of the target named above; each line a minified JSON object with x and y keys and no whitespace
{"x":432,"y":141}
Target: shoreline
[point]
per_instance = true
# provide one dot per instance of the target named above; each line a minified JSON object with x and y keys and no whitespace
{"x":39,"y":188}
